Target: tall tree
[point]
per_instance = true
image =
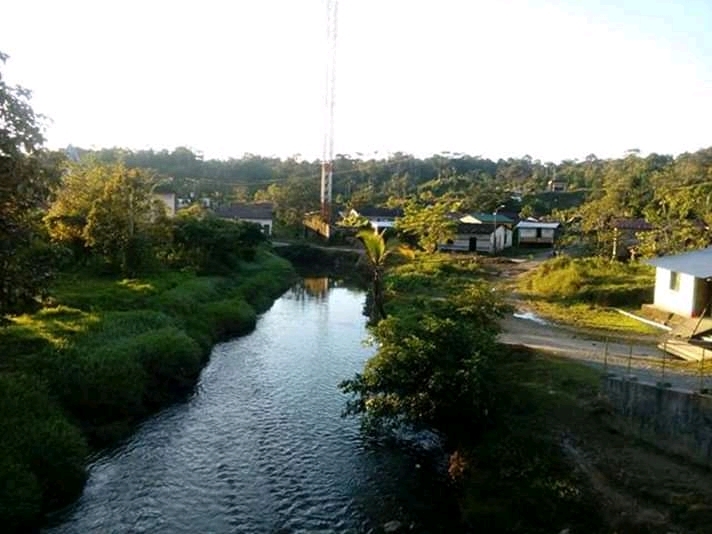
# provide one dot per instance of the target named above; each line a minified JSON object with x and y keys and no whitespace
{"x":26,"y":177}
{"x":431,"y":225}
{"x":109,"y":209}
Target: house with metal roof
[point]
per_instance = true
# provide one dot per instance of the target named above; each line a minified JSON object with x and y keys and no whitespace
{"x":683,"y":283}
{"x":379,"y":218}
{"x":258,"y":213}
{"x":533,"y":232}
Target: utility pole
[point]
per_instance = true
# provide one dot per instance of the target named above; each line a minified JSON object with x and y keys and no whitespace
{"x":495,"y":226}
{"x":327,"y":161}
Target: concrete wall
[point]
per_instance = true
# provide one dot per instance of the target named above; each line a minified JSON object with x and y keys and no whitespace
{"x":675,"y":420}
{"x":680,"y":301}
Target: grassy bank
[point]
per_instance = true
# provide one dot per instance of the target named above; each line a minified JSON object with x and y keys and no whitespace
{"x":554,"y":461}
{"x":102,"y":354}
{"x":517,"y":478}
{"x":583,"y":292}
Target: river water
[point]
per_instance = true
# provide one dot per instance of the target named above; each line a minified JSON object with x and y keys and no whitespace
{"x":261,"y":445}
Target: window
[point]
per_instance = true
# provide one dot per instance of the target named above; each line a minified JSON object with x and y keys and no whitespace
{"x":674,"y":281}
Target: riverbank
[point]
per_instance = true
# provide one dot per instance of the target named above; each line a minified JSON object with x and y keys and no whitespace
{"x":101,"y":355}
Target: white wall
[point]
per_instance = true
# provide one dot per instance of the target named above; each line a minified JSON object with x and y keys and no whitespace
{"x":503,"y":238}
{"x":680,"y":301}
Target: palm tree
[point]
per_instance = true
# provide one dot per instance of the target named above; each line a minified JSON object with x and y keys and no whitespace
{"x":374,"y":245}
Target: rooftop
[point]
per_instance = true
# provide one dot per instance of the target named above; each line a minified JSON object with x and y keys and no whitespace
{"x":486,"y":218}
{"x":258,"y":210}
{"x":697,"y":263}
{"x":537,"y":224}
{"x":370,"y":211}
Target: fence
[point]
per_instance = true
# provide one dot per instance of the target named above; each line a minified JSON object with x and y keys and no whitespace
{"x":635,"y":361}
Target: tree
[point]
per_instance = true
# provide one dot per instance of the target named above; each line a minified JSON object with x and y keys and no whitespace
{"x":432,"y":365}
{"x":211,"y":245}
{"x":430,"y":225}
{"x":109,"y":210}
{"x":26,"y":177}
{"x":377,"y":252}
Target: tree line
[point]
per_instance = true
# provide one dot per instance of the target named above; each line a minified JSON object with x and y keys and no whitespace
{"x":56,"y":213}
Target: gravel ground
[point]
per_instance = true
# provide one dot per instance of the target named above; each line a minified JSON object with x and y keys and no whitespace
{"x":645,"y":363}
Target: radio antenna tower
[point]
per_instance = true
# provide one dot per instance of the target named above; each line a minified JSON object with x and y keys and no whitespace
{"x":327,"y":160}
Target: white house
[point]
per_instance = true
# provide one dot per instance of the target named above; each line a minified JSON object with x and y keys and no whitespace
{"x":258,"y":213}
{"x":683,"y":283}
{"x":479,"y":237}
{"x":378,"y":218}
{"x":530,"y":232}
{"x":484,"y":225}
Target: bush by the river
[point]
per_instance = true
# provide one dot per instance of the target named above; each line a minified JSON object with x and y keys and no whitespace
{"x":433,"y":367}
{"x":102,"y":354}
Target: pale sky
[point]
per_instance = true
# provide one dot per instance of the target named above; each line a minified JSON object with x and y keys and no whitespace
{"x":496,"y":78}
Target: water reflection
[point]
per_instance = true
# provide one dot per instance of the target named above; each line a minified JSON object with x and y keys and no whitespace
{"x":262,"y":447}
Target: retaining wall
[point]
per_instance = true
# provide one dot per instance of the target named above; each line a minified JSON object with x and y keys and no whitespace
{"x":675,"y":420}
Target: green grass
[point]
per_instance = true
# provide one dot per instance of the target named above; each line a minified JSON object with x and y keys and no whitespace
{"x":433,"y":275}
{"x":582,"y":291}
{"x":102,"y":354}
{"x":591,"y":317}
{"x":516,"y":479}
{"x":591,"y":280}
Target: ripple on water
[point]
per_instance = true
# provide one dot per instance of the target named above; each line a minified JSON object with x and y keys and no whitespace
{"x":261,"y":446}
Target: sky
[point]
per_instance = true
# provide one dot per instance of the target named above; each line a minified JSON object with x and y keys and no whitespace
{"x":550,"y":79}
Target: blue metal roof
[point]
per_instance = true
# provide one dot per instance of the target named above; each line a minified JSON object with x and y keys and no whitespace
{"x":698,"y":263}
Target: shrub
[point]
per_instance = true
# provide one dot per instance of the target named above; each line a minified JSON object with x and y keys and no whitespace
{"x":231,"y":317}
{"x":42,"y":454}
{"x":171,"y":360}
{"x":432,"y":367}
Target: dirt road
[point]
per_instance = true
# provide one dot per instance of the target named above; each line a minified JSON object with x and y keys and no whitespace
{"x":640,"y":358}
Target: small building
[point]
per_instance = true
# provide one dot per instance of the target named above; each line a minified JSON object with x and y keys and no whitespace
{"x":502,"y":238}
{"x":378,"y":218}
{"x":683,"y":283}
{"x":557,"y":186}
{"x":258,"y":213}
{"x":533,"y":232}
{"x":626,"y":236}
{"x":478,"y":237}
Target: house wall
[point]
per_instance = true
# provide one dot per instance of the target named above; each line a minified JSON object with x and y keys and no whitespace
{"x":529,"y":235}
{"x":380,"y":223}
{"x":483,"y":242}
{"x":461,"y":243}
{"x":681,"y":301}
{"x":503,"y":238}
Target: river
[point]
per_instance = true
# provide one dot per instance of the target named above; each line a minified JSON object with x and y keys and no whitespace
{"x":261,"y":447}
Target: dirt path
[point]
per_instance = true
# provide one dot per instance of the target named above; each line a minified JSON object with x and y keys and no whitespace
{"x":638,"y":356}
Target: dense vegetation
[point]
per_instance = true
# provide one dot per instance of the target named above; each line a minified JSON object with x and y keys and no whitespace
{"x":109,"y":308}
{"x":672,"y":193}
{"x":438,"y":366}
{"x":103,"y":353}
{"x":435,"y":350}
